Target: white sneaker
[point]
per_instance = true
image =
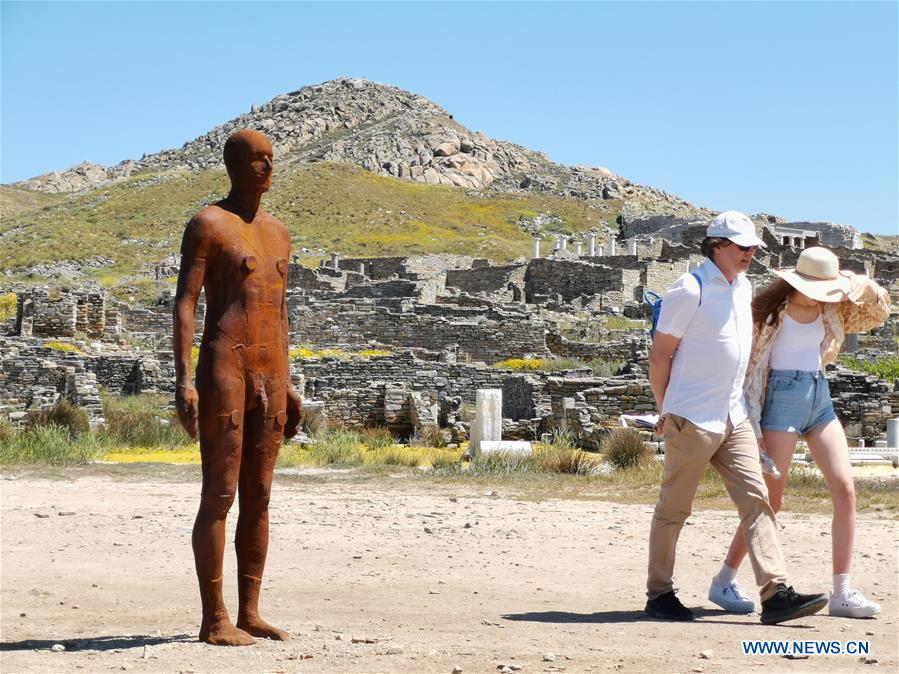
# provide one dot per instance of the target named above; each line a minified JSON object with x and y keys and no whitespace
{"x":730,"y":597}
{"x":853,"y":605}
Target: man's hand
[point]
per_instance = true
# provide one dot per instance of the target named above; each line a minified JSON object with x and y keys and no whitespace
{"x":763,"y":449}
{"x":294,"y":413}
{"x":187,"y":404}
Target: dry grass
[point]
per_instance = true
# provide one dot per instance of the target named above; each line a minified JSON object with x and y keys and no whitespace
{"x":624,"y":448}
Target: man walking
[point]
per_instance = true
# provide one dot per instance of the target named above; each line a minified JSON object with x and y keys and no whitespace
{"x":696,"y":369}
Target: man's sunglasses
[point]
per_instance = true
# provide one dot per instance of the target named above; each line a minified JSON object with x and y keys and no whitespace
{"x":745,"y":249}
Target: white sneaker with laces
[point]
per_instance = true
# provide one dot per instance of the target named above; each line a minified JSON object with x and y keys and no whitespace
{"x":853,"y":605}
{"x":730,"y":597}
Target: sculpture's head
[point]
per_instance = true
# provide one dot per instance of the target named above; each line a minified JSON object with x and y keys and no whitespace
{"x":248,"y":159}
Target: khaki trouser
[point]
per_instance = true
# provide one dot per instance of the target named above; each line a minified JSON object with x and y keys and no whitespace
{"x":735,"y":455}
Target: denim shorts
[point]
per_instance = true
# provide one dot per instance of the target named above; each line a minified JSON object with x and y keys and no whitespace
{"x":796,"y":401}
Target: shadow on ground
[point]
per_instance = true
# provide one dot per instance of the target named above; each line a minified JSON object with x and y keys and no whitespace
{"x":107,"y":643}
{"x":704,"y":616}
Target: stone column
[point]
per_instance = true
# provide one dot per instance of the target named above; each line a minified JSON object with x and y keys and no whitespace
{"x":535,"y":247}
{"x":563,"y":242}
{"x":362,"y":268}
{"x":591,"y":244}
{"x":335,"y":261}
{"x":613,"y":246}
{"x":632,"y":247}
{"x":488,"y":419}
{"x":600,"y":250}
{"x":578,"y":248}
{"x":893,"y":433}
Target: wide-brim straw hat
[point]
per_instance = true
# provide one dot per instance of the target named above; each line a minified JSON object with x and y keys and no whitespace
{"x":817,"y":275}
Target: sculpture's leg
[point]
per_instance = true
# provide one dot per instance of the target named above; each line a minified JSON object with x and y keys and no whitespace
{"x":262,"y":439}
{"x":221,"y":435}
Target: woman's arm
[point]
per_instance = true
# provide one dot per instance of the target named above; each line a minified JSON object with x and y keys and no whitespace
{"x":867,"y":304}
{"x":756,"y":381}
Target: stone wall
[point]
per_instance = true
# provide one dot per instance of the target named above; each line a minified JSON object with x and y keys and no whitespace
{"x":659,"y":276}
{"x":625,"y":346}
{"x":33,"y":376}
{"x":300,"y":277}
{"x":91,"y":314}
{"x":489,"y":337}
{"x":486,"y":279}
{"x":392,"y":288}
{"x":46,"y":313}
{"x":382,"y":268}
{"x":862,"y":402}
{"x":568,"y":279}
{"x":354,"y":390}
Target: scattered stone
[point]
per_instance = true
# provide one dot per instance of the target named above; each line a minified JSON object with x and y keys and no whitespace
{"x":549,"y":657}
{"x":363,"y":640}
{"x":42,"y":516}
{"x":707,"y":654}
{"x":57,"y":648}
{"x":394,"y":650}
{"x":457,"y":670}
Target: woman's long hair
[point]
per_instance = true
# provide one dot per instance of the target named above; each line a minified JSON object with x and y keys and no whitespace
{"x":767,"y":305}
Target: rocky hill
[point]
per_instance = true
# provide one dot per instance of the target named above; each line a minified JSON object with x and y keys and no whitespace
{"x":388,"y":131}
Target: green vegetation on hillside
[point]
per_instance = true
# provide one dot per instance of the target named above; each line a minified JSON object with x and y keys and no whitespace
{"x":886,"y":368}
{"x":15,"y":200}
{"x":335,"y":207}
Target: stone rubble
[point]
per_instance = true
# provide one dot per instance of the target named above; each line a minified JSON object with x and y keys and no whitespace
{"x":437,"y":325}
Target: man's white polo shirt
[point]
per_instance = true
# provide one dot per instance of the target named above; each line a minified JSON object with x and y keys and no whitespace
{"x":709,"y":364}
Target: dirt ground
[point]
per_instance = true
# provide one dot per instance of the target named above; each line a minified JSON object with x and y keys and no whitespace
{"x":399,"y":575}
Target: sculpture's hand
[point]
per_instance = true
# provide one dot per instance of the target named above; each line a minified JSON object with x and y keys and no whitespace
{"x":187,"y":404}
{"x":294,"y":413}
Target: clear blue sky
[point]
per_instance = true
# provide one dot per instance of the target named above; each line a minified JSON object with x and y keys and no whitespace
{"x":786,"y":108}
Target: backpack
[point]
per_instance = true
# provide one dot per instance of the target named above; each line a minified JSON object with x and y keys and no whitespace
{"x":654,"y":300}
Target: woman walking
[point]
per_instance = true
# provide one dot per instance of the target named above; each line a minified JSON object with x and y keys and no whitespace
{"x":800,"y":322}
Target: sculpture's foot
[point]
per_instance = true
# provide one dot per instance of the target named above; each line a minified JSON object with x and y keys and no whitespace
{"x":223,"y":633}
{"x":259,"y":628}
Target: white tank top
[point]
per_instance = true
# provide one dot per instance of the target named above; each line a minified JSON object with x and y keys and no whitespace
{"x":798,"y":345}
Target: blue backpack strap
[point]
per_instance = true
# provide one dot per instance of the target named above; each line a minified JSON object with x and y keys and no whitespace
{"x":699,"y":281}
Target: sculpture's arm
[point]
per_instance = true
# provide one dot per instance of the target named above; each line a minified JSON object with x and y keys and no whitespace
{"x":294,"y":401}
{"x":190,"y":281}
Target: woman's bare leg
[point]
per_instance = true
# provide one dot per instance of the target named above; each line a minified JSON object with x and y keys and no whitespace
{"x":780,"y":447}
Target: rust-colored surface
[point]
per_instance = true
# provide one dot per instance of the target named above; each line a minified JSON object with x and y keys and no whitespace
{"x":243,"y":402}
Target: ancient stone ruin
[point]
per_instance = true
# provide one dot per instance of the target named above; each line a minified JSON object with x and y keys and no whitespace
{"x":406,"y":342}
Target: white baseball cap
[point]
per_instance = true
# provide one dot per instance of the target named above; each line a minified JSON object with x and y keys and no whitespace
{"x":736,"y":227}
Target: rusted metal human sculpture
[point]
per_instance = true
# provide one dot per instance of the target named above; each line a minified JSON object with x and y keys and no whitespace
{"x":243,"y":400}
